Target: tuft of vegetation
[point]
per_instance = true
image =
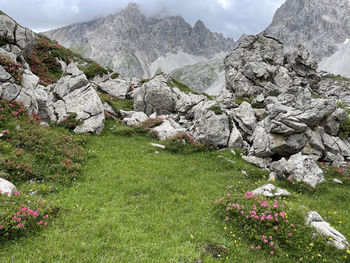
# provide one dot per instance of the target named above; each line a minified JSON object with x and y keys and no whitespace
{"x":185,"y":144}
{"x":92,"y":69}
{"x":338,"y":78}
{"x":344,"y":128}
{"x":115,"y":75}
{"x":216,"y":109}
{"x":116,"y":103}
{"x":181,"y":86}
{"x":11,"y":67}
{"x":269,"y":61}
{"x":245,"y":97}
{"x":70,"y":122}
{"x":24,"y":214}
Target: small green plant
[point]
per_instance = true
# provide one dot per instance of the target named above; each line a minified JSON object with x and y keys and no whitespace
{"x":181,"y":86}
{"x":70,"y":122}
{"x":269,"y":61}
{"x":184,"y":143}
{"x":92,"y":69}
{"x":217,"y":110}
{"x":344,"y":129}
{"x":11,"y":67}
{"x":115,"y":75}
{"x":116,"y":103}
{"x":245,"y":97}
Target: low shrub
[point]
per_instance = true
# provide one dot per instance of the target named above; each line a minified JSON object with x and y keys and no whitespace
{"x":70,"y":122}
{"x":184,"y":143}
{"x":31,"y":151}
{"x":43,"y":60}
{"x":92,"y":69}
{"x":217,"y":110}
{"x":115,"y":75}
{"x":116,"y":103}
{"x":11,"y":67}
{"x":21,"y":214}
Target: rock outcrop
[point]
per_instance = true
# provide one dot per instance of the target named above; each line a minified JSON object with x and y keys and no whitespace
{"x":72,"y":94}
{"x":322,"y":26}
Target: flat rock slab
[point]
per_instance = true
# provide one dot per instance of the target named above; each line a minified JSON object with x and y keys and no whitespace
{"x":322,"y":227}
{"x":269,"y":190}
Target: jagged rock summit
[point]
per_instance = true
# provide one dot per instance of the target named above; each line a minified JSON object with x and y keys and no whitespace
{"x":322,"y":26}
{"x":135,"y":45}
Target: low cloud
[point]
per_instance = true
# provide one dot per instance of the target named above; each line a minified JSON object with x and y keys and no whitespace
{"x":230,"y":17}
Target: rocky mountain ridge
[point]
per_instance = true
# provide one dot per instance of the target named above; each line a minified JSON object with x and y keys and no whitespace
{"x":323,"y":27}
{"x":139,"y":46}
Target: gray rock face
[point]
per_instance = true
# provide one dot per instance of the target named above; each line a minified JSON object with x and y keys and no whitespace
{"x":115,"y":87}
{"x":135,"y":119}
{"x":18,"y":38}
{"x":301,"y":21}
{"x":321,"y":26}
{"x":335,"y":238}
{"x":168,"y":129}
{"x":136,"y":45}
{"x":7,"y":187}
{"x":304,"y":168}
{"x":157,"y":96}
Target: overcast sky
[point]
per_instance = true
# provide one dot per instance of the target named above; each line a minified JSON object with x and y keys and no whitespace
{"x":231,"y":17}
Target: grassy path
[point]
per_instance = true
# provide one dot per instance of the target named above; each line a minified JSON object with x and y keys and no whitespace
{"x":133,"y":205}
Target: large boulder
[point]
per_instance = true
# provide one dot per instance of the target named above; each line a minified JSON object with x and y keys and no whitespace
{"x":115,"y":87}
{"x":168,"y":129}
{"x":158,"y":96}
{"x":74,"y":94}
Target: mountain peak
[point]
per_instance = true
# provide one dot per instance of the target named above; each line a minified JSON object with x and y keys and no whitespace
{"x":132,"y":8}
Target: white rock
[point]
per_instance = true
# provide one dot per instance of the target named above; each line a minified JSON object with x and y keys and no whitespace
{"x":7,"y":187}
{"x":323,"y":228}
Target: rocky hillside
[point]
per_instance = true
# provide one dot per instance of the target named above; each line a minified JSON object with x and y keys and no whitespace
{"x":322,"y":26}
{"x":139,"y":46}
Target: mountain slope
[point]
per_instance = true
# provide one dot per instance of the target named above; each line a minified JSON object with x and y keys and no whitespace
{"x":318,"y":24}
{"x":140,"y":46}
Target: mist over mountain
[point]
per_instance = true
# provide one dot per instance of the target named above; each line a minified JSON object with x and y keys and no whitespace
{"x":140,"y":46}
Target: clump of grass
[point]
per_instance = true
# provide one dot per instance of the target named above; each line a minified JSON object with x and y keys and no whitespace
{"x":92,"y":69}
{"x":244,"y":98}
{"x":181,"y":86}
{"x":116,"y":103}
{"x":338,"y":78}
{"x":216,"y":109}
{"x":115,"y":75}
{"x":184,"y":143}
{"x":344,"y":128}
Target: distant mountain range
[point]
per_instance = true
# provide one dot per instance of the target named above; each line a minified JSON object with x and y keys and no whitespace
{"x":322,"y":26}
{"x":136,"y":45}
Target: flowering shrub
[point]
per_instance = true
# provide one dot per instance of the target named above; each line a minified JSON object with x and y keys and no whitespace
{"x":274,"y":229}
{"x":184,"y":143}
{"x":11,"y":67}
{"x":29,"y":150}
{"x":264,"y":222}
{"x":70,"y":122}
{"x":43,"y":60}
{"x":22,"y":214}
